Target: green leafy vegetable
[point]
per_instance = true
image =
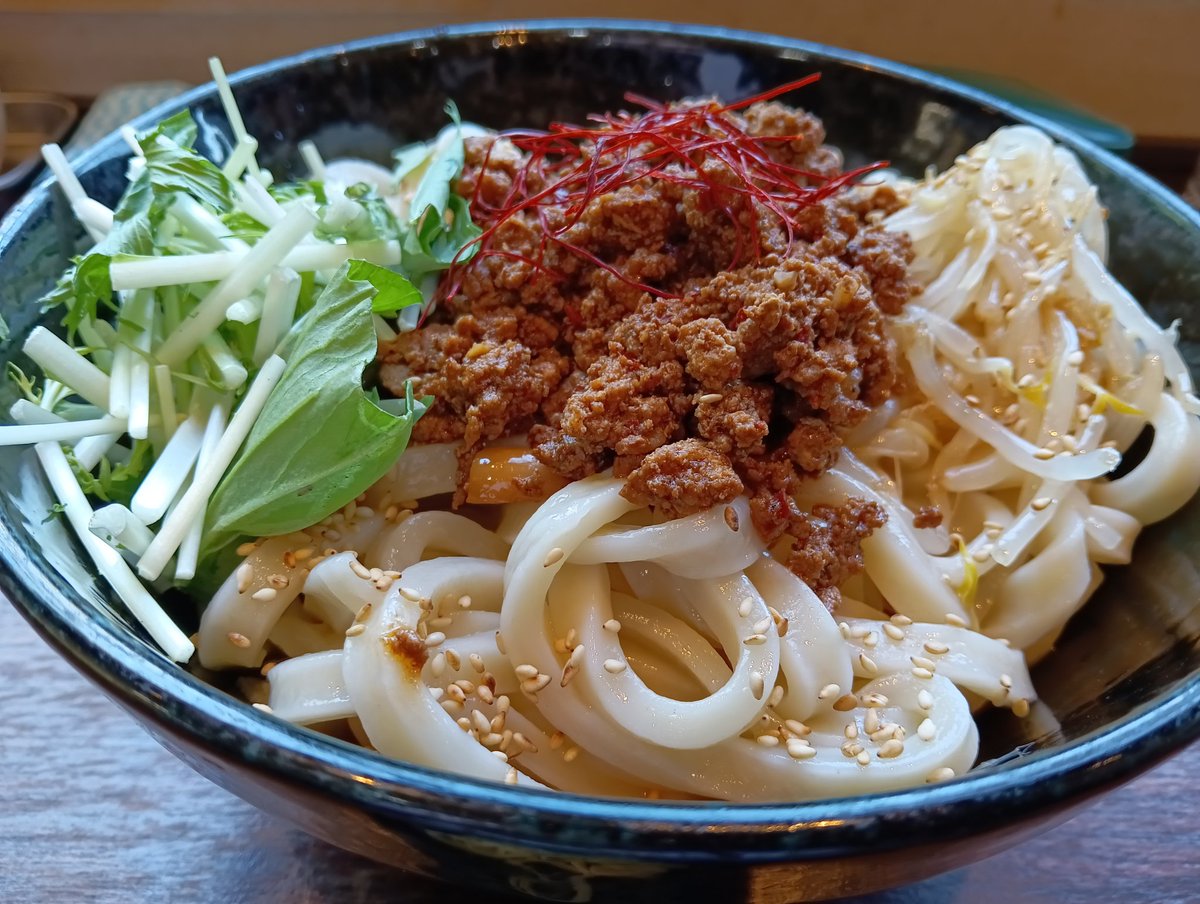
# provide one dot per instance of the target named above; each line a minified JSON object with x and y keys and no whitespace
{"x":173,"y":165}
{"x":376,"y":221}
{"x":87,"y":284}
{"x":440,"y":224}
{"x":289,"y":475}
{"x":114,"y":482}
{"x":394,"y":292}
{"x":243,"y":226}
{"x":290,"y":191}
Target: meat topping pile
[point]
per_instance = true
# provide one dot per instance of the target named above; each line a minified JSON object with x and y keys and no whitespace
{"x":737,"y":374}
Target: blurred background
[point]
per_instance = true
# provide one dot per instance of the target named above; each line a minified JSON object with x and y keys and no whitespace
{"x":1132,"y":65}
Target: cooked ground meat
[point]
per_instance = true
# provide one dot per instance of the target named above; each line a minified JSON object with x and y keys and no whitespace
{"x":682,"y":478}
{"x":927,"y":516}
{"x":694,"y":341}
{"x":827,"y":548}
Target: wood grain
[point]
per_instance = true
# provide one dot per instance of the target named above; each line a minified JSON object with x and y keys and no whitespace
{"x":92,"y":810}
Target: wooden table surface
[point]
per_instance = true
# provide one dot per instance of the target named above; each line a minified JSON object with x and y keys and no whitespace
{"x":93,"y":810}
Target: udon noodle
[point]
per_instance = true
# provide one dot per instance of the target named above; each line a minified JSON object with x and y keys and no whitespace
{"x":584,"y":645}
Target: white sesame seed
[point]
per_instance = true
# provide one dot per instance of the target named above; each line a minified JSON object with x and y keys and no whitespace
{"x":757,"y":685}
{"x":245,"y":574}
{"x":925,"y":699}
{"x":926,"y":731}
{"x":452,"y":706}
{"x":1043,"y":454}
{"x":467,"y":687}
{"x":360,"y":569}
{"x":871,"y":640}
{"x":1020,"y":708}
{"x":871,"y":722}
{"x":500,"y":644}
{"x":845,"y":629}
{"x":409,"y":594}
{"x":923,"y":663}
{"x":454,"y":692}
{"x":553,"y":557}
{"x":761,"y":626}
{"x":525,"y":671}
{"x":799,"y":750}
{"x":731,"y":518}
{"x":355,"y":630}
{"x":845,"y":703}
{"x":612,"y":625}
{"x":1041,"y":503}
{"x":262,"y":708}
{"x":858,"y":632}
{"x":851,"y":731}
{"x":434,"y":639}
{"x":851,"y":749}
{"x":476,"y":662}
{"x":238,"y":640}
{"x":453,"y":659}
{"x":768,"y":740}
{"x":863,"y":758}
{"x":437,"y":665}
{"x":955,"y":620}
{"x":500,"y":755}
{"x":776,"y":695}
{"x":922,"y":673}
{"x":510,"y":777}
{"x":570,"y":754}
{"x":890,"y":749}
{"x":936,"y":647}
{"x":484,"y":693}
{"x":754,"y":640}
{"x":875,"y":700}
{"x":893,"y":632}
{"x":264,"y":594}
{"x":246,"y":548}
{"x":1075,"y":358}
{"x":828,"y":691}
{"x":745,"y":606}
{"x":868,"y":664}
{"x":1005,"y":681}
{"x":710,"y":398}
{"x":533,"y":685}
{"x":797,"y":728}
{"x":614,"y":666}
{"x":941,"y":774}
{"x":437,"y":692}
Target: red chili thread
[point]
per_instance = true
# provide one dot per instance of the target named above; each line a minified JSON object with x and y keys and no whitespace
{"x":574,"y":165}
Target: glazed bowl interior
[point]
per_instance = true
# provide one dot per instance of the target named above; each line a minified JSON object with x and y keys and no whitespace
{"x":1121,"y":690}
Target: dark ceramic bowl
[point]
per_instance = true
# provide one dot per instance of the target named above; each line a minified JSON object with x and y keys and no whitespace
{"x":1122,"y":691}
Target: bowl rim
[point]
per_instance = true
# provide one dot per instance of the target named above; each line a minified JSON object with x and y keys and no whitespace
{"x":176,"y":701}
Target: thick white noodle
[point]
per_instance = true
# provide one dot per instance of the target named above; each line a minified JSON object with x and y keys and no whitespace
{"x":309,"y":689}
{"x":709,"y":544}
{"x":397,"y":711}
